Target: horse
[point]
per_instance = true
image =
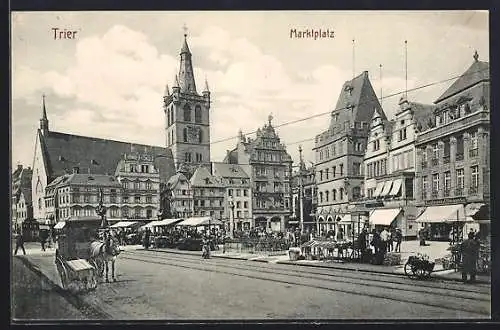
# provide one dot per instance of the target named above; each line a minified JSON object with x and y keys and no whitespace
{"x":103,"y":252}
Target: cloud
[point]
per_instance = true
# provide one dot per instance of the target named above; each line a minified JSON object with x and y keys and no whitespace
{"x":117,"y":80}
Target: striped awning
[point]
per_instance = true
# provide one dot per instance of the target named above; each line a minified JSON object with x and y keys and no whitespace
{"x":387,"y":189}
{"x":378,"y":189}
{"x":396,"y":187}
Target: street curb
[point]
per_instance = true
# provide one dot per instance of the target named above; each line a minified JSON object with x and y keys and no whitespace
{"x":72,"y":299}
{"x":441,"y":277}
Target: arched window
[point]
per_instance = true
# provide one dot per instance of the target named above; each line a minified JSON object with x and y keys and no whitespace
{"x":197,"y":114}
{"x":200,"y":136}
{"x":187,"y":113}
{"x":327,"y":195}
{"x":185,"y":134}
{"x":321,"y":197}
{"x":334,"y":194}
{"x":341,"y":193}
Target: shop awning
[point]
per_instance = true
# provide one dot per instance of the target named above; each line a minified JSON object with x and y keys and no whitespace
{"x":346,"y":219}
{"x":396,"y":187}
{"x":378,"y":189}
{"x":44,"y":227}
{"x":387,"y":189}
{"x":441,"y":214}
{"x":60,"y":225}
{"x":199,"y":221}
{"x":123,"y":224}
{"x":160,"y":223}
{"x":384,"y":217}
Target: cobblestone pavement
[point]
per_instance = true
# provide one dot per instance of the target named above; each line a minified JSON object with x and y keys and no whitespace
{"x":156,"y":285}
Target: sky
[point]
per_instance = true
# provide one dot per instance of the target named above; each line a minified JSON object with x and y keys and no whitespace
{"x":108,"y":81}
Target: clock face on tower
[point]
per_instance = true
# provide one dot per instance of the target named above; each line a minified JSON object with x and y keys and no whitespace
{"x":194,"y":133}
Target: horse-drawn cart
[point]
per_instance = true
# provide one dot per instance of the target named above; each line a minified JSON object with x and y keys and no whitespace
{"x":73,"y":254}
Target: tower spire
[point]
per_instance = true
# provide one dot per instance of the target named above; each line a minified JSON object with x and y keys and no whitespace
{"x":353,"y":59}
{"x":186,"y":75}
{"x":406,"y":69}
{"x":381,"y":96}
{"x":167,"y":90}
{"x":44,"y":122}
{"x":206,"y":86}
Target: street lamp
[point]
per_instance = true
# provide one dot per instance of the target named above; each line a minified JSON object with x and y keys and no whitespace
{"x":231,"y":218}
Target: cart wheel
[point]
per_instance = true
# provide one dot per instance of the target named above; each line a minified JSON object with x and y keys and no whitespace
{"x":420,"y":273}
{"x":409,"y":271}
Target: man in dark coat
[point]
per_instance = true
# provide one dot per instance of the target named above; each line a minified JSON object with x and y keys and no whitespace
{"x":20,"y":243}
{"x":470,"y":253}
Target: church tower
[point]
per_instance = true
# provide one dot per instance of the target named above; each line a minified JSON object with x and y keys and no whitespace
{"x":187,"y":116}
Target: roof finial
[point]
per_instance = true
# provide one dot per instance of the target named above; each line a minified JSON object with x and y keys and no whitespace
{"x":184,"y":27}
{"x":206,"y":85}
{"x":475,"y":56}
{"x":270,"y":118}
{"x":177,"y":81}
{"x":167,"y":90}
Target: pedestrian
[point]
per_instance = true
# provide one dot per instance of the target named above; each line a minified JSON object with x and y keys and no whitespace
{"x":146,"y":239}
{"x":20,"y":243}
{"x":470,"y":253}
{"x":399,"y":239}
{"x":384,"y":238}
{"x":43,"y":238}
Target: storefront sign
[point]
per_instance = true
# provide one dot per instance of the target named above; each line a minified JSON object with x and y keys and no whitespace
{"x":446,"y":201}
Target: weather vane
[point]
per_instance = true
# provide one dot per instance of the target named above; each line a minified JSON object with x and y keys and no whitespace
{"x":184,"y":27}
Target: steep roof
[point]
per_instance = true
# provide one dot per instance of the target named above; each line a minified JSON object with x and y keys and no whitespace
{"x":229,"y":170}
{"x":479,"y":71}
{"x":422,"y":113}
{"x":93,"y":179}
{"x":202,"y":178}
{"x":64,"y":151}
{"x":172,"y":181}
{"x":27,"y":195}
{"x":231,"y":157}
{"x":359,"y":93}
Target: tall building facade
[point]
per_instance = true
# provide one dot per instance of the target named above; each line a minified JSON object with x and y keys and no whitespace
{"x":453,"y":155}
{"x":389,"y":168}
{"x":187,"y":116}
{"x":21,"y":203}
{"x":76,"y":196}
{"x":140,"y":181}
{"x":339,"y":153}
{"x":238,"y":194}
{"x":208,"y":194}
{"x":178,"y":195}
{"x":266,"y":158}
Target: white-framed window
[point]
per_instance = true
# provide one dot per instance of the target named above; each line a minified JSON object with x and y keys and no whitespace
{"x":474,"y":183}
{"x":460,"y":178}
{"x":435,"y":183}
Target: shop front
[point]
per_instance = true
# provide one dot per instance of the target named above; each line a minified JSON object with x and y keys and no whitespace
{"x":444,"y":222}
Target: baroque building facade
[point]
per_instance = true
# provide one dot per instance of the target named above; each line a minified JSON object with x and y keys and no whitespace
{"x":453,"y":159}
{"x":266,"y":158}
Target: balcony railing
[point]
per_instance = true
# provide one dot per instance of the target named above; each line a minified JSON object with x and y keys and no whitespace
{"x":446,"y":159}
{"x":459,"y":192}
{"x":446,"y":193}
{"x":434,"y":161}
{"x":473,"y":153}
{"x":473,"y":190}
{"x":459,"y":157}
